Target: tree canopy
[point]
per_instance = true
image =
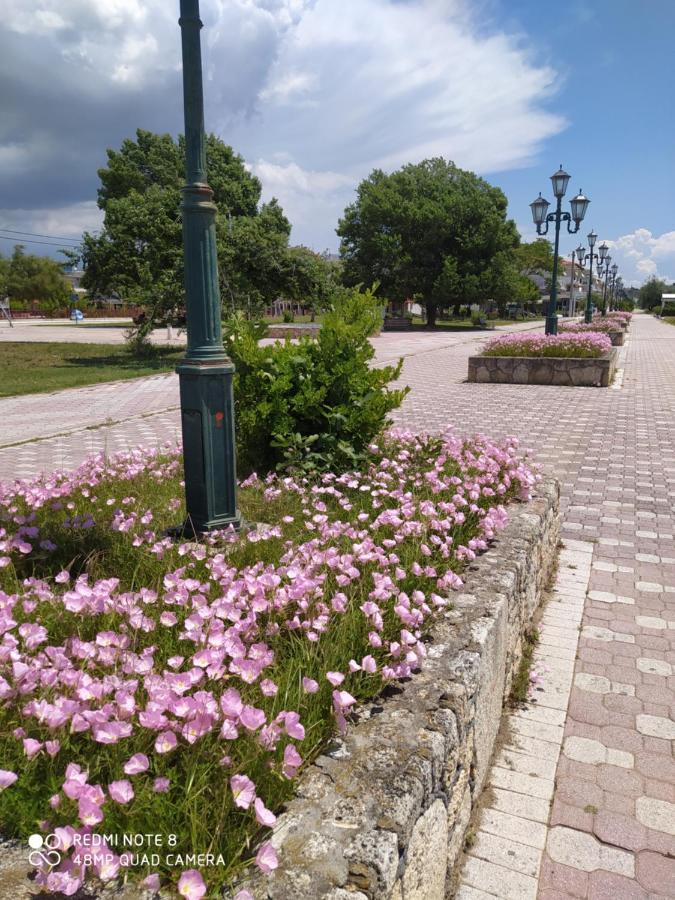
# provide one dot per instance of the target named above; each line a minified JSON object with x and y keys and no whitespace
{"x":139,"y":251}
{"x":27,"y":278}
{"x":430,"y":230}
{"x":649,"y":294}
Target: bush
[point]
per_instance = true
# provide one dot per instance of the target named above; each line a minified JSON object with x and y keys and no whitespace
{"x":288,"y":316}
{"x":668,"y":310}
{"x":314,"y":403}
{"x":590,"y":344}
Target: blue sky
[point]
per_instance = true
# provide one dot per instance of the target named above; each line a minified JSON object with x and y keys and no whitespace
{"x":317,"y":93}
{"x":614,"y":62}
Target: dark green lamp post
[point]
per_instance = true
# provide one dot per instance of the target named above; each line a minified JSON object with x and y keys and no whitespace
{"x":604,"y":270}
{"x":612,"y":297}
{"x":205,"y":373}
{"x":542,"y":217}
{"x":589,"y":257}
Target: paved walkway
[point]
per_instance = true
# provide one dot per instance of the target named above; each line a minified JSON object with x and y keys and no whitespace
{"x":44,"y":432}
{"x":611,"y":772}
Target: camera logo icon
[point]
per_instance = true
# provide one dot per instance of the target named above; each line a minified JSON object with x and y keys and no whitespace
{"x":44,"y":850}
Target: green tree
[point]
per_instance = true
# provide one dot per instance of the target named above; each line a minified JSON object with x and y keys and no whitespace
{"x":649,"y":294}
{"x":535,"y":258}
{"x":29,"y":278}
{"x":429,"y":230}
{"x":139,"y":251}
{"x":310,"y":279}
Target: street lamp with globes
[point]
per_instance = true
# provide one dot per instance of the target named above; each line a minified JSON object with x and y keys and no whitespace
{"x":590,"y":256}
{"x":542,"y":217}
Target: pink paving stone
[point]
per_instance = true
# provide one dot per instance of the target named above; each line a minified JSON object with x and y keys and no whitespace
{"x":619,"y":830}
{"x":618,"y":803}
{"x":571,"y":816}
{"x":577,"y":792}
{"x":655,"y":765}
{"x":660,"y":789}
{"x":621,"y":781}
{"x":608,"y":886}
{"x":620,"y":703}
{"x":563,"y":881}
{"x":587,"y":707}
{"x":653,"y":693}
{"x":656,"y":873}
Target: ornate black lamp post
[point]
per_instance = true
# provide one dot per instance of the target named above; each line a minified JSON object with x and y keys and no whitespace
{"x":590,"y":256}
{"x":207,"y":409}
{"x":542,"y":217}
{"x":572,"y":305}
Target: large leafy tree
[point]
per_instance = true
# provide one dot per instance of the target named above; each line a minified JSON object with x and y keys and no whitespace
{"x":430,"y":230}
{"x":649,"y":294}
{"x":26,"y":278}
{"x":139,"y":251}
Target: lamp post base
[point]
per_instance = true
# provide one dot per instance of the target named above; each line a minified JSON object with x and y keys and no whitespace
{"x":207,"y":419}
{"x":551,"y":324}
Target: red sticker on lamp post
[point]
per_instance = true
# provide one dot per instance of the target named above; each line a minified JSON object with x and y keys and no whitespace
{"x":219,"y":416}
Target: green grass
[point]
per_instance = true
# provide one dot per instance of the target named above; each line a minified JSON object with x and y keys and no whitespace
{"x":669,"y":319}
{"x":36,"y":368}
{"x":468,"y":325}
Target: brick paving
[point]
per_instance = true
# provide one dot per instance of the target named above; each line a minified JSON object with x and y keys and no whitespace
{"x":611,"y":829}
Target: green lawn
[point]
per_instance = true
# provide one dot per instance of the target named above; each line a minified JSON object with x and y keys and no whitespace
{"x":669,"y":319}
{"x":464,"y":324}
{"x":35,"y":368}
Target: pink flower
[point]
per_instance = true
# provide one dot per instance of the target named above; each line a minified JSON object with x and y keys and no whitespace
{"x":263,"y":815}
{"x":245,"y":895}
{"x":121,"y":791}
{"x":139,"y":762}
{"x":89,"y":812}
{"x":243,"y":790}
{"x":161,"y":785}
{"x":166,"y":741}
{"x":268,"y":687}
{"x":266,"y":858}
{"x":292,"y":761}
{"x":335,"y":678}
{"x":191,"y":885}
{"x":151,"y":883}
{"x":7,"y":778}
{"x":31,"y":747}
{"x":252,"y":718}
{"x":309,"y":686}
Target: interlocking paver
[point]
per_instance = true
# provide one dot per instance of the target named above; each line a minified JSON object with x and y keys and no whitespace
{"x":614,"y":453}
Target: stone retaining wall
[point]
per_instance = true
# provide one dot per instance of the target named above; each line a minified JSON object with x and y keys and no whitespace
{"x":279,"y":332}
{"x":566,"y":371}
{"x":382,"y":814}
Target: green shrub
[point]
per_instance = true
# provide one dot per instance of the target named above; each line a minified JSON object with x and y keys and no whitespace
{"x":668,"y":310}
{"x":288,"y":316}
{"x":314,"y":403}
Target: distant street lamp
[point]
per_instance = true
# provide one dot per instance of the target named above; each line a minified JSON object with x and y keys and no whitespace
{"x":612,"y":298}
{"x":590,"y":256}
{"x":205,"y":373}
{"x":604,"y":270}
{"x":572,"y":303}
{"x":542,"y":217}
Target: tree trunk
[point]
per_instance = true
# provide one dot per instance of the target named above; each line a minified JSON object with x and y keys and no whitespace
{"x":431,"y":314}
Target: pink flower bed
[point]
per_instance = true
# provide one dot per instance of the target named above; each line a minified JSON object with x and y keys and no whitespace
{"x":588,"y":344}
{"x":602,"y":325}
{"x":179,"y":692}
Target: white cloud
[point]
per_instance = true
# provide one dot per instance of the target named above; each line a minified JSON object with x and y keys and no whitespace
{"x":320,"y":92}
{"x":641,"y":254}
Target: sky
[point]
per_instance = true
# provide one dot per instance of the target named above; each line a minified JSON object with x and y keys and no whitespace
{"x":315,"y":94}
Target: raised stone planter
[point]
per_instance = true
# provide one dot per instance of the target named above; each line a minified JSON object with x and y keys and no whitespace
{"x":556,"y":370}
{"x":382,"y":814}
{"x":617,"y":337}
{"x":310,"y":329}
